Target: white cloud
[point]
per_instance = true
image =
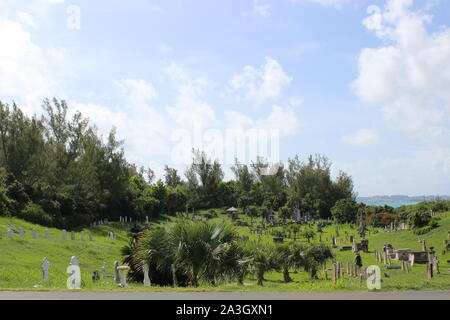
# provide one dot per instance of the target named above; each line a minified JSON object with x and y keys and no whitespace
{"x":24,"y":67}
{"x":338,"y":4}
{"x":263,"y":84}
{"x":363,"y":137}
{"x":164,"y":48}
{"x":409,"y":75}
{"x":421,"y":172}
{"x":261,"y":8}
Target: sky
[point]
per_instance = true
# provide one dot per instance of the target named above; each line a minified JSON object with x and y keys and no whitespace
{"x":364,"y":82}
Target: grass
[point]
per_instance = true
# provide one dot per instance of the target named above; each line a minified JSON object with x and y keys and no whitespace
{"x":20,"y":259}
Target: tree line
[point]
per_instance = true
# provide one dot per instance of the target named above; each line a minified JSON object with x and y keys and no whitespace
{"x":57,"y":170}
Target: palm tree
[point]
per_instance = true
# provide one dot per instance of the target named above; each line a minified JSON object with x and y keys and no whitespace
{"x":204,"y":251}
{"x":289,"y":256}
{"x":314,"y":256}
{"x":264,"y":260}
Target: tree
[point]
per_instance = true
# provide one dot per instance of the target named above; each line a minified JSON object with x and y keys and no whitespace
{"x":171,"y":177}
{"x":315,"y":256}
{"x":345,"y":211}
{"x":308,"y":234}
{"x":264,"y":260}
{"x":289,"y":256}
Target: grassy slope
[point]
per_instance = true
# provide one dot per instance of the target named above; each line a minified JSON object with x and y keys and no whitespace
{"x":20,"y":260}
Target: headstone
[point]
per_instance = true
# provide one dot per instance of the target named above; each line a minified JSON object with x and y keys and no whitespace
{"x":47,"y":234}
{"x":74,"y":279}
{"x":123,"y":275}
{"x":35,"y":234}
{"x":21,"y":232}
{"x":64,"y":234}
{"x":72,"y":235}
{"x":82,"y":235}
{"x":90,"y":236}
{"x":10,"y":233}
{"x":116,"y":272}
{"x":145,"y":269}
{"x":174,"y":276}
{"x":95,"y":275}
{"x":45,"y":267}
{"x":146,"y":219}
{"x":104,"y":268}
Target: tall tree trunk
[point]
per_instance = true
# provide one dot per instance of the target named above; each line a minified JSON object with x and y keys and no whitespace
{"x":287,"y":277}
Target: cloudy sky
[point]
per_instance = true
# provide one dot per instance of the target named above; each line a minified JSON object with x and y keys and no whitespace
{"x":364,"y":82}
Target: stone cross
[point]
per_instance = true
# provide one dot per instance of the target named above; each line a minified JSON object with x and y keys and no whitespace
{"x":72,"y":235}
{"x":74,"y":279}
{"x":45,"y":266}
{"x":145,"y":269}
{"x":82,"y":235}
{"x":116,"y":272}
{"x":104,"y":268}
{"x":123,"y":275}
{"x":47,"y":234}
{"x":64,"y":234}
{"x":10,"y":233}
{"x":34,"y":234}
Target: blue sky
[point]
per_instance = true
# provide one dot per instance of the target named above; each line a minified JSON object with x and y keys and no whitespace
{"x":362,"y":82}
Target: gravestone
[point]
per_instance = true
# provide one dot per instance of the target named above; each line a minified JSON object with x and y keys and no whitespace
{"x":104,"y":268}
{"x":82,"y":235}
{"x":174,"y":276}
{"x":72,"y":235}
{"x":47,"y":234}
{"x":10,"y":233}
{"x":45,"y":267}
{"x":35,"y":234}
{"x":116,"y":272}
{"x":123,"y":276}
{"x":74,"y":279}
{"x":21,"y":232}
{"x":64,"y":234}
{"x":90,"y":236}
{"x":145,"y":269}
{"x":95,"y":275}
{"x":146,"y":219}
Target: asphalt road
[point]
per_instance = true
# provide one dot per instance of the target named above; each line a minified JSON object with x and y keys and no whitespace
{"x":92,"y":295}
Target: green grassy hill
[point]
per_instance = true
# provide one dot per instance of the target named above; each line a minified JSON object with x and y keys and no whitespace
{"x":20,"y":259}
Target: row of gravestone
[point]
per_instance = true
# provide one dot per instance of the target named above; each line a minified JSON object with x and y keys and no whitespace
{"x":11,"y":233}
{"x":74,"y":272}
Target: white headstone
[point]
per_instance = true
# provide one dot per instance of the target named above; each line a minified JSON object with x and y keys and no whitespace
{"x":10,"y":233}
{"x":145,"y":269}
{"x":82,"y":235}
{"x":90,"y":236}
{"x":146,"y":219}
{"x":74,"y":279}
{"x":72,"y":235}
{"x":47,"y":234}
{"x":35,"y":234}
{"x":64,"y":234}
{"x":21,"y":232}
{"x":45,"y":266}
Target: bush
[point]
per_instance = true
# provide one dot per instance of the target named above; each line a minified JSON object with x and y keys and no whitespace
{"x":35,"y":214}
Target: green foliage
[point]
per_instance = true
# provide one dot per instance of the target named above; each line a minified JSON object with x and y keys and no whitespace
{"x":345,"y":211}
{"x":34,"y":213}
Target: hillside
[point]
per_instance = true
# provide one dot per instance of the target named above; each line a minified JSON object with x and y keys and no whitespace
{"x":20,"y":259}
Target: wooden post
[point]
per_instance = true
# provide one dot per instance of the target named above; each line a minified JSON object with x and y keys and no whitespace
{"x":430,"y":271}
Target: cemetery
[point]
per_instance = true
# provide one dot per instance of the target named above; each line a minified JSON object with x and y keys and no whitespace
{"x":40,"y":258}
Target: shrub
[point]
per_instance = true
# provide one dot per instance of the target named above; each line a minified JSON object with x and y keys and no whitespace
{"x":35,"y":214}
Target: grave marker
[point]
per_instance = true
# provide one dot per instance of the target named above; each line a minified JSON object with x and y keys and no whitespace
{"x":72,"y":235}
{"x":45,"y":267}
{"x":123,"y":276}
{"x":10,"y":233}
{"x":47,"y":234}
{"x":145,"y":269}
{"x":74,"y":279}
{"x":82,"y":235}
{"x":35,"y":234}
{"x":64,"y":234}
{"x":104,"y":268}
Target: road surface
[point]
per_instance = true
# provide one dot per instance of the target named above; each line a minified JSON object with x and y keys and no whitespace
{"x":93,"y":295}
